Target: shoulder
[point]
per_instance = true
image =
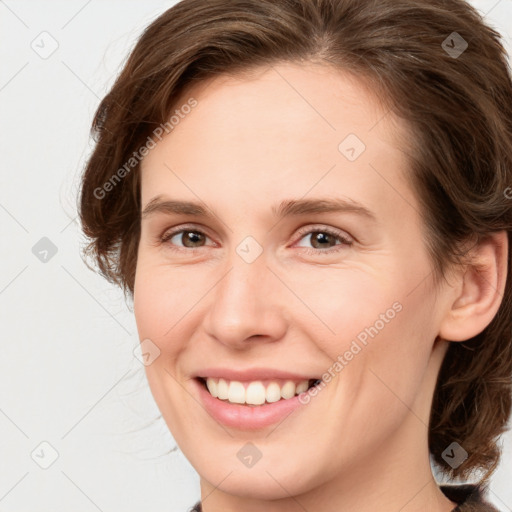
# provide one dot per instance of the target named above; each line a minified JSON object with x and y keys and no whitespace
{"x":469,"y":497}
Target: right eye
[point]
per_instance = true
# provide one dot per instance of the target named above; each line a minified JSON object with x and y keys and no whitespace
{"x":188,"y":237}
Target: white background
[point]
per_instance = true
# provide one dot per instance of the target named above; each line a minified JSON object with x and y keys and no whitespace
{"x":67,"y":371}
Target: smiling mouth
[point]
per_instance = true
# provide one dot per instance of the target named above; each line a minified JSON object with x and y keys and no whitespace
{"x":255,"y":393}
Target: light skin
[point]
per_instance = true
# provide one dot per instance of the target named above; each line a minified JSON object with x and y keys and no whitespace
{"x":249,"y":144}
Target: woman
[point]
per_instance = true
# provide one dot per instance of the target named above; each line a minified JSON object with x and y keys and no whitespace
{"x":238,"y":139}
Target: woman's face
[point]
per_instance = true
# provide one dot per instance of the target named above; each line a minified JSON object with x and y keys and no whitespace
{"x":341,"y":294}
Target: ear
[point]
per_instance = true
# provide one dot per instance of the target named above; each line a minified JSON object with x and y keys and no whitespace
{"x":478,"y":290}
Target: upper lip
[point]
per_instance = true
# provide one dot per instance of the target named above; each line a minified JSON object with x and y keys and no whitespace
{"x":252,"y":374}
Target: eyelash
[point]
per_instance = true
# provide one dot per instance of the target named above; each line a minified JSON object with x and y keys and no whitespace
{"x":302,"y":233}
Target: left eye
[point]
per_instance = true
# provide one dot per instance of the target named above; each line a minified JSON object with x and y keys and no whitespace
{"x":326,"y":239}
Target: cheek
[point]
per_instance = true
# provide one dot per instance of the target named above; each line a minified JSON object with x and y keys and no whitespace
{"x":161,"y":301}
{"x":387,"y":374}
{"x":337,"y":309}
{"x":338,"y":306}
{"x":366,"y":323}
{"x":163,"y":304}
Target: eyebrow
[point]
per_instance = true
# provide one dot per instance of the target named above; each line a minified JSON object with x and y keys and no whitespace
{"x":293,"y":207}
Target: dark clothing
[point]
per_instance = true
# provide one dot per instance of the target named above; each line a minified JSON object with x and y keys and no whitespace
{"x":469,"y":498}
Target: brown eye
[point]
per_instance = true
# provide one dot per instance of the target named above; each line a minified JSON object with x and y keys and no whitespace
{"x":192,"y":238}
{"x":188,"y":238}
{"x":322,"y":240}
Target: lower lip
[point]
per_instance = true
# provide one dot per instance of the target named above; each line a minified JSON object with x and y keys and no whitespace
{"x":246,"y":417}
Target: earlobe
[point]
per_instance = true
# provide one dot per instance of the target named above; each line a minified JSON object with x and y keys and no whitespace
{"x":480,"y":290}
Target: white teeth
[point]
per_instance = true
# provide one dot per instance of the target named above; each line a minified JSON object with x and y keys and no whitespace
{"x":288,"y":390}
{"x":273,"y":392}
{"x":301,"y":387}
{"x":236,"y":392}
{"x":255,"y":393}
{"x":212,"y":387}
{"x":222,"y":389}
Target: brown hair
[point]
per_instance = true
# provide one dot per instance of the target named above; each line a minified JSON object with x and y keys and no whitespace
{"x":459,"y":111}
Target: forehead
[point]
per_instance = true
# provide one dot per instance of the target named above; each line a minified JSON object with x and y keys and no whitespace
{"x":280,"y":131}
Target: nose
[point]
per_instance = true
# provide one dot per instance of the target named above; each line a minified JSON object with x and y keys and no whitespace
{"x":246,"y":305}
